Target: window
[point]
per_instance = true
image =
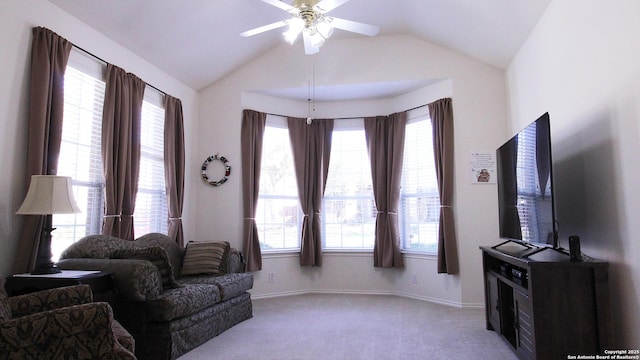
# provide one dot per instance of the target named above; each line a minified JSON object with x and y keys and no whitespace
{"x":80,"y":156}
{"x":278,"y":214}
{"x":419,"y":208}
{"x":349,"y":210}
{"x":150,"y":214}
{"x":80,"y":151}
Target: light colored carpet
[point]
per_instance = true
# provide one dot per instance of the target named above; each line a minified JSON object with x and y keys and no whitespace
{"x":336,"y":326}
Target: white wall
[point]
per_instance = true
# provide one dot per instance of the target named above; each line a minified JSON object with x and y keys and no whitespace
{"x":17,"y":17}
{"x":582,"y":64}
{"x":480,"y":112}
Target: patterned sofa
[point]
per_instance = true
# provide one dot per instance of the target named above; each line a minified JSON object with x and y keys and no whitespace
{"x":61,"y":323}
{"x":167,"y":311}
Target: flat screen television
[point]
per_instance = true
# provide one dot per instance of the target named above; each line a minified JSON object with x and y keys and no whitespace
{"x":525,"y":186}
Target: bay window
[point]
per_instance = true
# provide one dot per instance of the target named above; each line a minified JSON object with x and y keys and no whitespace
{"x":348,"y":211}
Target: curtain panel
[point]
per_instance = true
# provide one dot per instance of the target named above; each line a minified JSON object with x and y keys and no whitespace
{"x":311,"y":145}
{"x":385,"y":144}
{"x":174,"y":159}
{"x":121,"y":120}
{"x":49,"y":57}
{"x":441,"y":113}
{"x":252,"y":131}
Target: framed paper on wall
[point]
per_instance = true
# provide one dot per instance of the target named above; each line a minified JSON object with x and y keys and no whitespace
{"x":482,"y":167}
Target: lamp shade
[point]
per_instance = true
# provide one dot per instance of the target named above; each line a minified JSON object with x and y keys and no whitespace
{"x":49,"y":194}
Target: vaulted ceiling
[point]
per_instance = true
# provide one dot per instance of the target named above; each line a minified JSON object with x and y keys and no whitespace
{"x":198,"y":41}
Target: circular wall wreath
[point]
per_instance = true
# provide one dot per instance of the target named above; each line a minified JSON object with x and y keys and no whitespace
{"x":227,"y":170}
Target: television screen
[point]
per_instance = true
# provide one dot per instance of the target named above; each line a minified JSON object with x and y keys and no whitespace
{"x":525,"y":192}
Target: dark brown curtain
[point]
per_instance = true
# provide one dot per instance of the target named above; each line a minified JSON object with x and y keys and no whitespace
{"x":49,"y":56}
{"x":311,"y":146}
{"x":121,"y":118}
{"x":385,"y":144}
{"x":174,"y":165}
{"x":253,"y":124}
{"x":441,"y":113}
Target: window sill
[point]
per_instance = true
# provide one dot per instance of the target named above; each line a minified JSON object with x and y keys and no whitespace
{"x":279,"y":251}
{"x":420,"y":254}
{"x":361,"y":251}
{"x":292,"y":252}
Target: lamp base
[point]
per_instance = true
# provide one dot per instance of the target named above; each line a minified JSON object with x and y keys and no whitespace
{"x":44,"y":265}
{"x":44,"y":269}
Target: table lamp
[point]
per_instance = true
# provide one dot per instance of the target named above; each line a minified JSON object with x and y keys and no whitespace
{"x":48,"y":195}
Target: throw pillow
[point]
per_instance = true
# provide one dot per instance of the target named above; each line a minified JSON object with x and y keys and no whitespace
{"x":205,"y":258}
{"x":157,"y":256}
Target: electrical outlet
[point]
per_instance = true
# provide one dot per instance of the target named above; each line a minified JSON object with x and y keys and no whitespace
{"x":272,"y":277}
{"x":414,"y":279}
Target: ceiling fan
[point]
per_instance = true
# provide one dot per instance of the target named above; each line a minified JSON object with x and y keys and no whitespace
{"x":309,"y":18}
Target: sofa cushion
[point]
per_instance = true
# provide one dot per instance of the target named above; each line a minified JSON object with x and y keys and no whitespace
{"x":230,"y":285}
{"x":182,"y":301}
{"x":156,"y":255}
{"x":205,"y":258}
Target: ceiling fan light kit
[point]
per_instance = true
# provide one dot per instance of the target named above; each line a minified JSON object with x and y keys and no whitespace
{"x":296,"y":25}
{"x":308,"y":17}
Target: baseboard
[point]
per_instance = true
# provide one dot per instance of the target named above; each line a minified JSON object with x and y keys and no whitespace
{"x":357,"y":292}
{"x":430,"y":300}
{"x":279,"y":294}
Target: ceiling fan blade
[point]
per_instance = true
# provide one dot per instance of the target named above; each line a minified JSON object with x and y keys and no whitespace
{"x":354,"y":26}
{"x":264,"y":28}
{"x":280,"y":4}
{"x":309,"y":49}
{"x":327,"y":5}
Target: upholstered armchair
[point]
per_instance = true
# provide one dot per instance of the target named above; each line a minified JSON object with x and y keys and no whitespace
{"x":61,"y":323}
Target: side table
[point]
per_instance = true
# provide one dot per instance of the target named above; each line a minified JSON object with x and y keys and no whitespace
{"x":100,"y":282}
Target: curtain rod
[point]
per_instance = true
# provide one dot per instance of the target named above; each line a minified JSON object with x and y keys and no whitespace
{"x":345,"y":118}
{"x":288,"y":116}
{"x":103,"y":61}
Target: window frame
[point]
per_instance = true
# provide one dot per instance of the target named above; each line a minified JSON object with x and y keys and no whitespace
{"x":350,"y":124}
{"x":278,"y":122}
{"x":414,"y":116}
{"x":154,"y":98}
{"x":94,"y":186}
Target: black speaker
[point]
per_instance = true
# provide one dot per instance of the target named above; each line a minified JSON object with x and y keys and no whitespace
{"x":574,"y":248}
